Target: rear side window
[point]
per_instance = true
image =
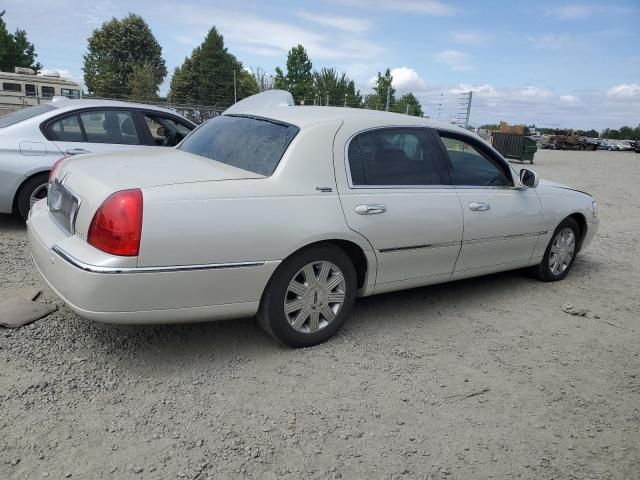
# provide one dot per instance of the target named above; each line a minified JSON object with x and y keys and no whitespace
{"x":24,"y":114}
{"x":391,"y":157}
{"x":249,"y":143}
{"x":48,"y":92}
{"x":66,"y":129}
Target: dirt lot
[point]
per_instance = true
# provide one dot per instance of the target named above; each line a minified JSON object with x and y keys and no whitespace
{"x":485,"y":378}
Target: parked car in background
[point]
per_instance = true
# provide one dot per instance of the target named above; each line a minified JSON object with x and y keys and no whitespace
{"x":32,"y":139}
{"x":291,"y":212}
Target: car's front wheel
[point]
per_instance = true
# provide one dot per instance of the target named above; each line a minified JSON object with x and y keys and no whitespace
{"x":33,"y":190}
{"x":561,"y":252}
{"x":309,"y":297}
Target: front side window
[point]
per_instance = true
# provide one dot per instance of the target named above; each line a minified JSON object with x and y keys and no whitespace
{"x":393,"y":156}
{"x":11,"y":87}
{"x":471,"y":167}
{"x":250,"y":143}
{"x":48,"y":92}
{"x":165,"y":131}
{"x":109,"y":127}
{"x":66,"y":129}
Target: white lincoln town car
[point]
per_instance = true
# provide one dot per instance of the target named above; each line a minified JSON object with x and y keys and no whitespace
{"x":291,"y":212}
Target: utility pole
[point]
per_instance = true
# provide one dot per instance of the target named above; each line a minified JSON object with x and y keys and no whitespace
{"x":469,"y":107}
{"x":388,"y":98}
{"x":327,"y":104}
{"x":235,"y":93}
{"x":407,"y":109}
{"x":345,"y":100}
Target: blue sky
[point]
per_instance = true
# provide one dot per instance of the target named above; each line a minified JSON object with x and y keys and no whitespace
{"x":573,"y":64}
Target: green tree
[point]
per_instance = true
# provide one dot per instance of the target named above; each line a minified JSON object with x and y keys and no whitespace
{"x":143,"y":84}
{"x":354,"y":97}
{"x":384,"y":85}
{"x":298,"y":80}
{"x":207,"y":76}
{"x":115,"y":49}
{"x":409,"y":104}
{"x":16,"y":50}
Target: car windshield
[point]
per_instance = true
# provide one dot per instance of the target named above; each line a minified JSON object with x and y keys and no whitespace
{"x":25,"y":114}
{"x":253,"y":144}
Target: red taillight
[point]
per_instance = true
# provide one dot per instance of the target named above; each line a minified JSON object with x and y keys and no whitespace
{"x":52,"y":173}
{"x":117,"y":225}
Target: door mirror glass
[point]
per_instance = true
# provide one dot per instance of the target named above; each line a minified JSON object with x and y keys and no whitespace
{"x":161,"y":132}
{"x":529,"y":178}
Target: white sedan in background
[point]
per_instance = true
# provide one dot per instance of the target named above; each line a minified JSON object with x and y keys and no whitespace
{"x":31,"y":140}
{"x":290,"y":213}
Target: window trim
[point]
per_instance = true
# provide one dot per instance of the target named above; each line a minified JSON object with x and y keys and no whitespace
{"x":493,"y":157}
{"x":443,"y":174}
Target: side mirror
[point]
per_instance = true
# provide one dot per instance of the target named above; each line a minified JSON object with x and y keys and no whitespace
{"x":161,"y":132}
{"x":529,"y":178}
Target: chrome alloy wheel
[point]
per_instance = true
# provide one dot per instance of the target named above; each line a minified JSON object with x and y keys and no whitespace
{"x":562,"y":251}
{"x":38,"y":193}
{"x":314,"y":296}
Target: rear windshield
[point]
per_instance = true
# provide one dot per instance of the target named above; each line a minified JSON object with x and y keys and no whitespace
{"x":253,"y":144}
{"x":24,"y":114}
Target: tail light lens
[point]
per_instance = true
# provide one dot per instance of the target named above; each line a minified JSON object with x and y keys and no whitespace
{"x":54,"y":169}
{"x":116,"y":227}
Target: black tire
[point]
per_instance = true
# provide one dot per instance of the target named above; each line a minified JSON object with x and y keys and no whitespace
{"x":543,"y":271}
{"x":271,"y":315}
{"x":27,"y":189}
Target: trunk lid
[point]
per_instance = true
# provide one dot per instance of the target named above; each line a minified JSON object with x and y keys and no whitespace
{"x":90,"y":179}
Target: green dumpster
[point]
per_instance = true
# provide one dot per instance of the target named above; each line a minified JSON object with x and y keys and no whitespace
{"x":514,"y":147}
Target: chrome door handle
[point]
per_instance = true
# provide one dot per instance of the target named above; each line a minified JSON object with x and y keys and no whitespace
{"x":479,"y":206}
{"x":371,"y":209}
{"x":77,"y":151}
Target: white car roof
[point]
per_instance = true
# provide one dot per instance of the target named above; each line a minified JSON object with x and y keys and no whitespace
{"x":278,"y":105}
{"x":72,"y":104}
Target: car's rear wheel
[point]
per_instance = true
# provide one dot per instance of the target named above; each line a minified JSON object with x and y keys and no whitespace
{"x":561,"y":252}
{"x":33,"y":190}
{"x":309,"y":297}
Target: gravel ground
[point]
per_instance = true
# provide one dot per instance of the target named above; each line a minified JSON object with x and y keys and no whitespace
{"x":484,"y":378}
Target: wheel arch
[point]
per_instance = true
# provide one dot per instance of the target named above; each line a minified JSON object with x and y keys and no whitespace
{"x":363,"y":259}
{"x":17,"y":191}
{"x":582,"y":224}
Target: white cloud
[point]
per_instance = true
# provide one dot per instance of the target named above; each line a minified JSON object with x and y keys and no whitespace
{"x":419,"y":7}
{"x":347,"y":24}
{"x":548,"y":41}
{"x":571,"y":11}
{"x":406,"y":79}
{"x":455,"y":59}
{"x":471,"y":38}
{"x":569,"y":99}
{"x":263,"y":36}
{"x":624,"y":92}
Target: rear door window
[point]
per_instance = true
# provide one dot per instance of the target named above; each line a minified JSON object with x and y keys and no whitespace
{"x":250,"y":143}
{"x":393,"y":157}
{"x":109,"y":126}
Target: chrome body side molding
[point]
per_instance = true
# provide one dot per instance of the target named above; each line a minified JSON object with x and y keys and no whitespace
{"x":161,"y":269}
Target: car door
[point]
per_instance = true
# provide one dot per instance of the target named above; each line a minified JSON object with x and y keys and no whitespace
{"x":395,"y":193}
{"x":502,"y":221}
{"x":94,"y":131}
